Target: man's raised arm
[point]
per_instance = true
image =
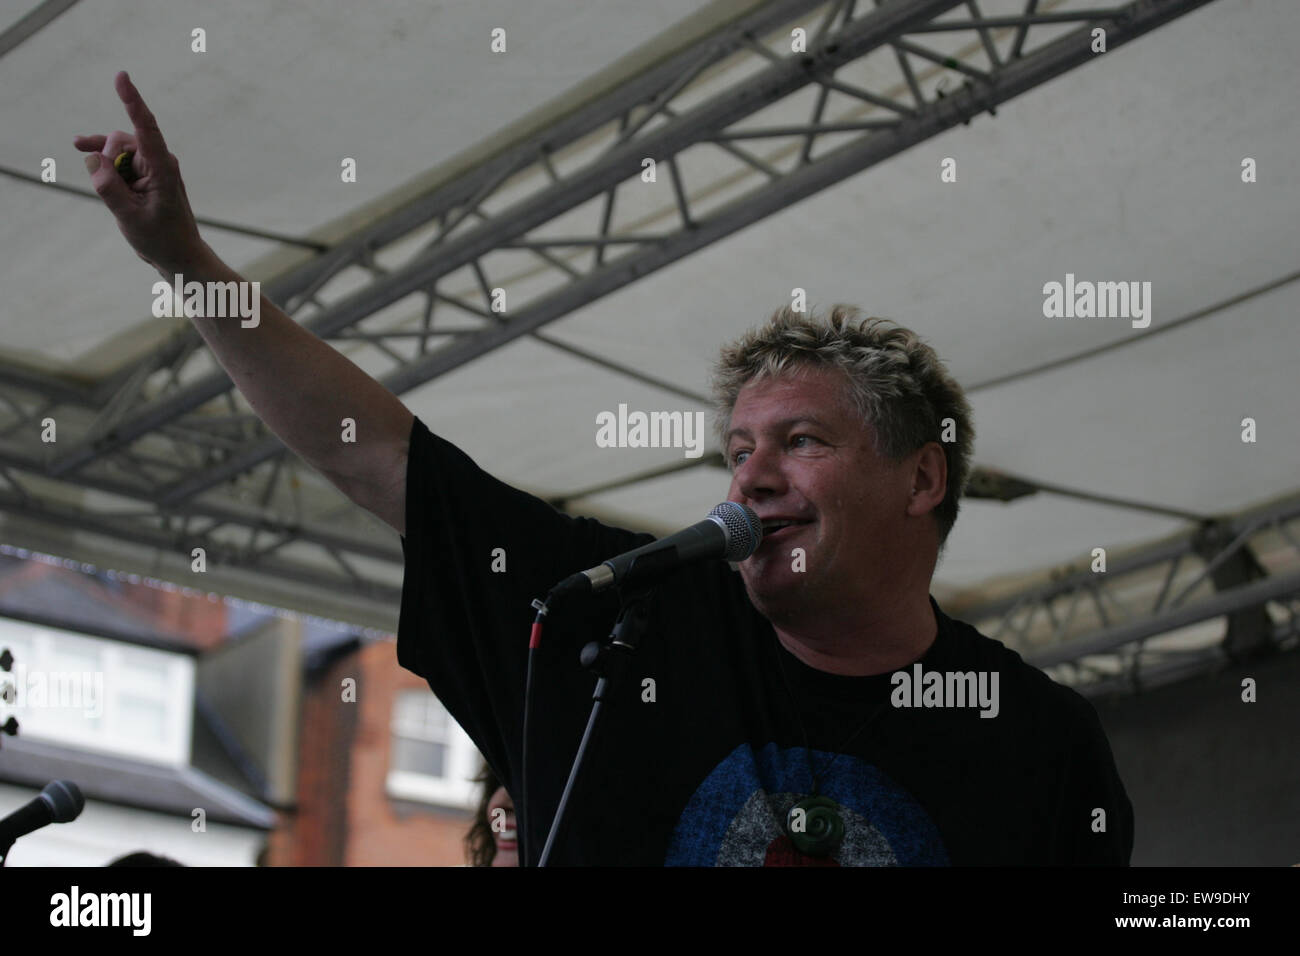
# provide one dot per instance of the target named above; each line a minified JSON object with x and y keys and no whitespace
{"x":297,"y":384}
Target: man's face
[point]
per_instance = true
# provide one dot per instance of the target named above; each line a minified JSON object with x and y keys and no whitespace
{"x":800,"y":451}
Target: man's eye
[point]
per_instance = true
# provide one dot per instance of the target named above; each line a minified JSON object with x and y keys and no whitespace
{"x":738,"y":458}
{"x":797,"y":438}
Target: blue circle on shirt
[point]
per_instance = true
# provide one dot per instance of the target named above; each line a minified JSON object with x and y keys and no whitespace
{"x":737,"y":815}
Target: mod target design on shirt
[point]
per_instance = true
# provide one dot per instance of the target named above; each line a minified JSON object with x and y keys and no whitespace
{"x":737,"y":815}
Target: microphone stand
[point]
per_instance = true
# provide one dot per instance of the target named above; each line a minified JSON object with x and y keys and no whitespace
{"x":610,"y":662}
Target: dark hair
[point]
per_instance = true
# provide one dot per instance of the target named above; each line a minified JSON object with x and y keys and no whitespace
{"x":143,"y":858}
{"x":480,"y":844}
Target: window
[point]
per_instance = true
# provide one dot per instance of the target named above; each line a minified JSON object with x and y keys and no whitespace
{"x":432,"y":759}
{"x":98,"y":694}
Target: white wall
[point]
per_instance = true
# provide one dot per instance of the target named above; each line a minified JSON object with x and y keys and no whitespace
{"x":105,"y":831}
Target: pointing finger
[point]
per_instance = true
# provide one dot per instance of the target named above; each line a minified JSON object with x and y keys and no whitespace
{"x":147,"y":133}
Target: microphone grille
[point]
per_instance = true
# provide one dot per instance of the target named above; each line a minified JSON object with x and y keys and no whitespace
{"x":741,"y":525}
{"x":64,"y":799}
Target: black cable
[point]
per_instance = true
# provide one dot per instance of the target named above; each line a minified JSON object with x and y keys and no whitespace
{"x":521,"y":808}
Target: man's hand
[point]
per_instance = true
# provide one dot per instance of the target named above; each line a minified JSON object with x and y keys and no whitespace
{"x":153,"y":211}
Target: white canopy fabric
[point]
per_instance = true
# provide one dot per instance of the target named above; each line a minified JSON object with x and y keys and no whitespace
{"x":1127,"y":169}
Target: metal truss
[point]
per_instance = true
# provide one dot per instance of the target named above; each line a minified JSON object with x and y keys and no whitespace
{"x":167,"y":433}
{"x":1115,"y":628}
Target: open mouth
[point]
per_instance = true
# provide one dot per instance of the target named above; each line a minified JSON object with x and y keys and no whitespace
{"x":781,"y":527}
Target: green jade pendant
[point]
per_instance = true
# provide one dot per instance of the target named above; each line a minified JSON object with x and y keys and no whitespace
{"x":818,"y":830}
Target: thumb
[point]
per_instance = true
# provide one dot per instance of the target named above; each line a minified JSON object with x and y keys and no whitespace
{"x":109,"y":185}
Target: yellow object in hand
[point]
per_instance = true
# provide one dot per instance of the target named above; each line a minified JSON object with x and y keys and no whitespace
{"x":123,"y":166}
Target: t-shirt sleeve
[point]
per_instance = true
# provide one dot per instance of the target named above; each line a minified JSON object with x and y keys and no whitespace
{"x":1094,"y":784}
{"x":477,"y":553}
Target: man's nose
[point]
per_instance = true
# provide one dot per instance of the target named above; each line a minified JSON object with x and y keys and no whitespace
{"x":760,"y":476}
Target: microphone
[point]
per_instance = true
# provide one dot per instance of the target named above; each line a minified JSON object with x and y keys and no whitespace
{"x":60,"y":802}
{"x":731,"y":531}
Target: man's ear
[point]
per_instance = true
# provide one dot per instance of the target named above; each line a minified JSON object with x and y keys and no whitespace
{"x":929,"y":479}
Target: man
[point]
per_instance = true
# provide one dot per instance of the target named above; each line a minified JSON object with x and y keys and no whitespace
{"x":816,"y":709}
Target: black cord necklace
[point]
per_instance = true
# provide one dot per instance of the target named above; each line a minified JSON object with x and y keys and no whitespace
{"x":814,"y":824}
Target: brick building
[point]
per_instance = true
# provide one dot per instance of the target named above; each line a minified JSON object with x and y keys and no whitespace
{"x":302,"y":741}
{"x":358,"y":802}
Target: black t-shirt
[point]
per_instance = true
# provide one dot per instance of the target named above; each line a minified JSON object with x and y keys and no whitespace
{"x":707,"y":744}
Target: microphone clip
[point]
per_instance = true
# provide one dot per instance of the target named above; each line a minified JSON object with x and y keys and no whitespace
{"x":609,"y":660}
